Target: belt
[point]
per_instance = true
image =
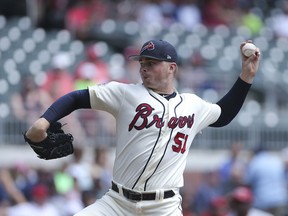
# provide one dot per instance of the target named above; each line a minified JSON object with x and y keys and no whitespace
{"x":138,"y":196}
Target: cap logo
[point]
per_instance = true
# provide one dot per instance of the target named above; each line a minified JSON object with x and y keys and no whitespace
{"x":169,"y":57}
{"x":149,"y":46}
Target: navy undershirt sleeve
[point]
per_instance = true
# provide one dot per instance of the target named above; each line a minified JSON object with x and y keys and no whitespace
{"x":232,"y":102}
{"x":66,"y":104}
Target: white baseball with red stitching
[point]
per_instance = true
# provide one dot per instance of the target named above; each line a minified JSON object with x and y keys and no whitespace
{"x":249,"y":49}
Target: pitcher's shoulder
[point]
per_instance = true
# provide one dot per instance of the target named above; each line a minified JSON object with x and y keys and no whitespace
{"x":189,"y":96}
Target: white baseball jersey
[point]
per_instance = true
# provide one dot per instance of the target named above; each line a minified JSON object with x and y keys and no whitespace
{"x":153,"y":134}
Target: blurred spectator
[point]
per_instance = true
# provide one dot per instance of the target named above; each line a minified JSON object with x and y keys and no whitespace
{"x":92,"y":70}
{"x":266,"y":177}
{"x":88,"y":197}
{"x":9,"y":192}
{"x":214,"y":13}
{"x":193,"y":75}
{"x":218,"y":207}
{"x":78,"y":19}
{"x":208,"y":190}
{"x":59,"y":79}
{"x":189,"y":14}
{"x":83,"y":15}
{"x":73,"y":200}
{"x":79,"y":169}
{"x":280,"y":21}
{"x":67,"y":191}
{"x":63,"y":181}
{"x":168,"y":8}
{"x":86,"y":77}
{"x":186,"y":202}
{"x":101,"y":171}
{"x":240,"y":201}
{"x":24,"y":178}
{"x":29,"y":103}
{"x":232,"y":171}
{"x":39,"y":205}
{"x":4,"y":201}
{"x":150,"y":13}
{"x":251,"y":21}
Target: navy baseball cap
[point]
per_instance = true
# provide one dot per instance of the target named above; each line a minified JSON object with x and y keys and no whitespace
{"x":157,"y":49}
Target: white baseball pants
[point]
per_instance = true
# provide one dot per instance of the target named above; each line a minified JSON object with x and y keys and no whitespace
{"x":114,"y":204}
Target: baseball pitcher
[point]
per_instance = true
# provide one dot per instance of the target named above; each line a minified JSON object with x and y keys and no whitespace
{"x":155,"y":127}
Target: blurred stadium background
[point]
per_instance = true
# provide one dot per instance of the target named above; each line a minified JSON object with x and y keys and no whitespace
{"x":37,"y":36}
{"x":32,"y":33}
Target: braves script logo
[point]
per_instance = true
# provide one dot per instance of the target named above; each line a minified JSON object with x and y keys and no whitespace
{"x":144,"y":110}
{"x":149,"y":46}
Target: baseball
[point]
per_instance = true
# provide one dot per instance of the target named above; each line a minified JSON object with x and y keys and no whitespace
{"x":249,"y":49}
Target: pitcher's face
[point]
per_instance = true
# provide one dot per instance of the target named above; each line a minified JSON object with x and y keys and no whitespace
{"x":156,"y":75}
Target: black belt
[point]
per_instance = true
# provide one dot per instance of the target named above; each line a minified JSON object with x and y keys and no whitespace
{"x":137,"y":196}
